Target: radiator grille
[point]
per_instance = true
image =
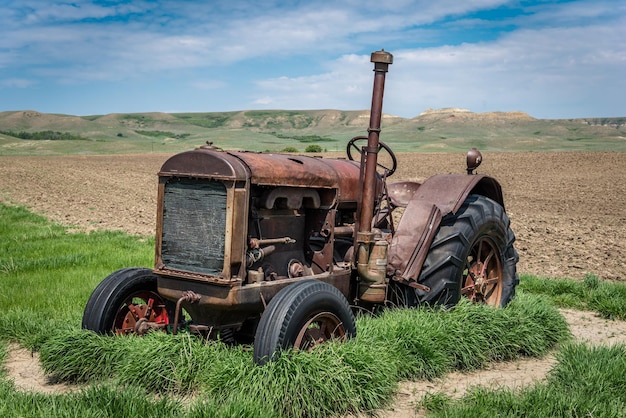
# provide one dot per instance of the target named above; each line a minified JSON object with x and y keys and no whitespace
{"x":194,"y":225}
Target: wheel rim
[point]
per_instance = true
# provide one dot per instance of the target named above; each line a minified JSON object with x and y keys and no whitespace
{"x":320,"y":328}
{"x":482,"y":275}
{"x":140,"y":312}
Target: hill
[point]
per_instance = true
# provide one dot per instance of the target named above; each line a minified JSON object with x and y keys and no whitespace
{"x":33,"y":133}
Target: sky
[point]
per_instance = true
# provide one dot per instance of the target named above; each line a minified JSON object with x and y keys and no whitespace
{"x":551,"y":59}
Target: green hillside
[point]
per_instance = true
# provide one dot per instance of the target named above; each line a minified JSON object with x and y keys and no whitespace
{"x":35,"y":133}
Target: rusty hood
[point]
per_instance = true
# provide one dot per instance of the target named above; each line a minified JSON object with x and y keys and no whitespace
{"x":268,"y":169}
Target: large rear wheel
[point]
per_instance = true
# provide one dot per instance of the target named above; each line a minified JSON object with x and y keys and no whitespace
{"x":472,"y":255}
{"x":127,"y":302}
{"x":302,"y":315}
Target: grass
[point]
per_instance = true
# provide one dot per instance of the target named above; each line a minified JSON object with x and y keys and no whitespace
{"x":606,"y":298}
{"x":336,"y":378}
{"x":48,"y":274}
{"x":586,"y":382}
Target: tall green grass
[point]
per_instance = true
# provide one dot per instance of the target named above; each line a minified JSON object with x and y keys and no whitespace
{"x":606,"y":298}
{"x":586,"y":382}
{"x":91,"y":402}
{"x":48,"y":273}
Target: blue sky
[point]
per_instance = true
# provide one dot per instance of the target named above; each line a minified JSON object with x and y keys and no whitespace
{"x":551,"y":59}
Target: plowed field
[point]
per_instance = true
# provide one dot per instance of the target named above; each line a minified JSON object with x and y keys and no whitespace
{"x":568,"y":210}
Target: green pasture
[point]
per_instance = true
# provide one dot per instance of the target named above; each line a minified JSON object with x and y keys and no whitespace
{"x":48,"y":272}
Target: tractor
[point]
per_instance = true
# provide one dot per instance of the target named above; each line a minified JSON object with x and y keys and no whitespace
{"x":280,"y":250}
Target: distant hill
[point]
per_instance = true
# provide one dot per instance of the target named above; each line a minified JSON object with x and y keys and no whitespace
{"x":445,"y":130}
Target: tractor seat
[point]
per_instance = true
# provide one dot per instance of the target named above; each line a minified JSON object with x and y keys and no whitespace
{"x":400,"y":193}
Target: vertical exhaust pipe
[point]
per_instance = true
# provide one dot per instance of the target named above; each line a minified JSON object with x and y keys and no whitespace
{"x":372,"y":253}
{"x":381,"y":60}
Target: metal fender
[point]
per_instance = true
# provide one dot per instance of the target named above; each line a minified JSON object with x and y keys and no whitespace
{"x":437,"y":197}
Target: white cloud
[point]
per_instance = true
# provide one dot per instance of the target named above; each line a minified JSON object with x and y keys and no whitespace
{"x":555,"y":57}
{"x":343,"y":87}
{"x":264,"y":101}
{"x":17,"y":82}
{"x":149,"y":37}
{"x":546,"y":72}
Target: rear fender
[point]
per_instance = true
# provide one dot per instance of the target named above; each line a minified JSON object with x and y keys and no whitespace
{"x":437,"y":197}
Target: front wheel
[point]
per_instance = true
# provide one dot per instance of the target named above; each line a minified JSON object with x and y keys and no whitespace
{"x":302,"y":315}
{"x":472,"y":255}
{"x":127,"y":302}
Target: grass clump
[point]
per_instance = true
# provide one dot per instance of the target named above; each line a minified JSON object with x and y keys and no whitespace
{"x":335,"y":378}
{"x":606,"y":298}
{"x":586,"y":381}
{"x":91,"y":402}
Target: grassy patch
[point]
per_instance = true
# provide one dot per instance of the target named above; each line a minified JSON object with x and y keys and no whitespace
{"x":304,"y":138}
{"x":586,"y":382}
{"x":162,"y":134}
{"x":206,"y":120}
{"x":96,"y":402}
{"x":48,"y":273}
{"x":606,"y":298}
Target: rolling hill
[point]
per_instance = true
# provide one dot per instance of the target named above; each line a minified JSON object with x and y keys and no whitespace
{"x":443,"y":130}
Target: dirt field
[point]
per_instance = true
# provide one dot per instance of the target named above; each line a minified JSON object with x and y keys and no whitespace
{"x":567,"y":210}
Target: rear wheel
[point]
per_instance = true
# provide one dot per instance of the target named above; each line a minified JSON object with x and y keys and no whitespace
{"x":127,"y":302}
{"x":302,"y":315}
{"x":472,"y":255}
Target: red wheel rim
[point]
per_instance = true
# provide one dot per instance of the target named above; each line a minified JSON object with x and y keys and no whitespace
{"x":482,"y":276}
{"x":140,"y":307}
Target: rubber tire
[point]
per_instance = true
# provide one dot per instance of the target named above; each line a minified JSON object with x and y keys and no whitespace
{"x":110,"y":294}
{"x":291,"y":309}
{"x":443,"y":268}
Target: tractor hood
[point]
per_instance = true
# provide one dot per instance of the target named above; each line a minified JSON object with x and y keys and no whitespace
{"x":268,"y":170}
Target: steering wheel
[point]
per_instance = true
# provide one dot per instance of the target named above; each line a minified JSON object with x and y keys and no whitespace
{"x":381,"y":145}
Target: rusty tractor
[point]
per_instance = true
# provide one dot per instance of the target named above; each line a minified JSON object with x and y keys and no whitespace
{"x":279,"y":250}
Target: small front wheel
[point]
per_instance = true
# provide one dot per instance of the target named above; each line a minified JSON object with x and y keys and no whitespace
{"x":127,"y":302}
{"x":302,"y":315}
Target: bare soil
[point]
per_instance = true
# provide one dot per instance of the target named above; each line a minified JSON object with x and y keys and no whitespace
{"x":567,"y":210}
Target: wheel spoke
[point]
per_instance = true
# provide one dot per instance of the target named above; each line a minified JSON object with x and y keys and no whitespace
{"x":149,"y":310}
{"x":136,"y":313}
{"x":469,"y":285}
{"x":490,"y":292}
{"x":487,"y":261}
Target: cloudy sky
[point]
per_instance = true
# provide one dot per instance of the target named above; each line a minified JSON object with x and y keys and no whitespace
{"x":551,"y":59}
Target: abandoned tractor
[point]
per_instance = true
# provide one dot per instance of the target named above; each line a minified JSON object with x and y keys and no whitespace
{"x":278,"y":250}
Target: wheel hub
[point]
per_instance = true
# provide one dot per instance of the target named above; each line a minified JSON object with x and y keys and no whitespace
{"x":320,"y":328}
{"x":140,"y":318}
{"x":483,"y":282}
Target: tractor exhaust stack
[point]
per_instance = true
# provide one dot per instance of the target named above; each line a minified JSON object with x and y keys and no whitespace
{"x":371,"y":251}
